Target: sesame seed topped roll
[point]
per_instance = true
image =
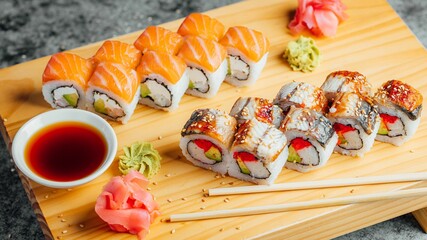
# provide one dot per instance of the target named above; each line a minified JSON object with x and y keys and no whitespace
{"x":400,"y":107}
{"x":246,"y":108}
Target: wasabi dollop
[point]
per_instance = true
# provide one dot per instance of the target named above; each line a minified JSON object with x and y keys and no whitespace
{"x":141,"y":157}
{"x":302,"y":54}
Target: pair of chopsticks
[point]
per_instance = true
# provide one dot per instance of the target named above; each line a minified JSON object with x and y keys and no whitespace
{"x":308,"y":204}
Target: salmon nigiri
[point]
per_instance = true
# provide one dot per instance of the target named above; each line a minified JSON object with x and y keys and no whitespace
{"x":247,"y":55}
{"x":113,"y":91}
{"x":159,"y":39}
{"x":64,"y":80}
{"x":206,"y":63}
{"x":201,"y":25}
{"x":118,"y":52}
{"x":164,"y":80}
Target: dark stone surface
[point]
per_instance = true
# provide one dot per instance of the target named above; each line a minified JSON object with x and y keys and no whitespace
{"x":32,"y":29}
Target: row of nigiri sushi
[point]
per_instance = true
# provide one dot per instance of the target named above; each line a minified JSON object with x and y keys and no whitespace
{"x":161,"y":77}
{"x":301,"y":129}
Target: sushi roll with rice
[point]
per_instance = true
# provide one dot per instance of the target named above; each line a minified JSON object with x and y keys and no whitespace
{"x":400,"y":107}
{"x":118,"y":52}
{"x":247,"y":51}
{"x":65,"y":80}
{"x":206,"y":64}
{"x":206,"y":139}
{"x":164,"y":80}
{"x":160,"y":40}
{"x":301,"y":94}
{"x":197,"y":24}
{"x":113,"y":91}
{"x":356,"y":121}
{"x":247,"y":108}
{"x":345,"y":81}
{"x":258,"y":152}
{"x":311,"y":139}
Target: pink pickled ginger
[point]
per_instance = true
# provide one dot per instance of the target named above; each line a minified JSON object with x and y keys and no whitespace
{"x":320,"y":17}
{"x":126,"y":205}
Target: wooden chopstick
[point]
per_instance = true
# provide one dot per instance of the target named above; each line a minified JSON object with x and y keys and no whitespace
{"x":405,"y":177}
{"x":297,"y":205}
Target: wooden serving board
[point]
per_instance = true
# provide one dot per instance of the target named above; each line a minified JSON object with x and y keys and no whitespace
{"x":373,"y":41}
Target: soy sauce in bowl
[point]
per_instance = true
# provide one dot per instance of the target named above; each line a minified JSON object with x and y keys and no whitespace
{"x":65,"y":151}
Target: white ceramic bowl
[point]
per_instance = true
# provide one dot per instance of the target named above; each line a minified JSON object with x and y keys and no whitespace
{"x":57,"y":116}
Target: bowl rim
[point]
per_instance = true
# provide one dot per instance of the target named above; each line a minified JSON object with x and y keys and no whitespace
{"x":107,"y":132}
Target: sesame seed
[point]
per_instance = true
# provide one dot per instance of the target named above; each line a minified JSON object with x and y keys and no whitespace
{"x":60,"y":215}
{"x":154,"y":183}
{"x":64,"y":231}
{"x":159,"y":137}
{"x":46,"y":196}
{"x":169,"y":200}
{"x":81,"y":225}
{"x":237,"y":228}
{"x":167,"y":175}
{"x":223,"y":183}
{"x":173,"y":231}
{"x":221,"y":229}
{"x":63,"y":220}
{"x":411,"y":151}
{"x":69,"y":190}
{"x":204,"y":190}
{"x":203,"y":200}
{"x":352,"y":190}
{"x":148,"y":189}
{"x":202,"y":207}
{"x":226,"y":200}
{"x":184,"y":199}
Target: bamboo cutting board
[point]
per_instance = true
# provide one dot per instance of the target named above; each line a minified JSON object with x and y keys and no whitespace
{"x":373,"y":41}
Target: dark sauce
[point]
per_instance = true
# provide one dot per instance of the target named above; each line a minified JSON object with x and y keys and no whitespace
{"x":66,"y":151}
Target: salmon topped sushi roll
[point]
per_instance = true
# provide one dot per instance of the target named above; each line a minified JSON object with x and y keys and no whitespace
{"x":65,"y":80}
{"x":160,"y":40}
{"x":202,"y":25}
{"x":164,"y":80}
{"x":400,"y":107}
{"x":247,"y":51}
{"x":206,"y":63}
{"x":345,"y":81}
{"x":113,"y":91}
{"x":356,"y":121}
{"x":303,"y":95}
{"x":247,"y":108}
{"x":118,"y":52}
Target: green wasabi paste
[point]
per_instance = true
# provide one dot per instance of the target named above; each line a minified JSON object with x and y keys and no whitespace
{"x":141,"y":157}
{"x":302,"y":54}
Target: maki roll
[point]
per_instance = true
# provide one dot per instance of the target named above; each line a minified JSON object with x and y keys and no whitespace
{"x":247,"y":51}
{"x":258,"y":152}
{"x":164,"y":80}
{"x":206,"y":138}
{"x":118,"y":52}
{"x":400,"y":107}
{"x":197,"y":24}
{"x":356,"y":121}
{"x":160,"y":40}
{"x":345,"y":81}
{"x":113,"y":91}
{"x":301,"y":94}
{"x":206,"y":64}
{"x":311,"y":139}
{"x":65,"y":80}
{"x":247,"y":108}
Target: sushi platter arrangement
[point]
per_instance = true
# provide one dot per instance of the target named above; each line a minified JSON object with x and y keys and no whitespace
{"x":223,"y":110}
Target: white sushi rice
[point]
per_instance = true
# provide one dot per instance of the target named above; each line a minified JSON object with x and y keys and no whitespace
{"x":367,"y":139}
{"x":409,"y":126}
{"x":53,"y":92}
{"x":324,"y":153}
{"x":164,"y":95}
{"x":208,"y":82}
{"x":113,"y":102}
{"x":200,"y":159}
{"x":244,"y":72}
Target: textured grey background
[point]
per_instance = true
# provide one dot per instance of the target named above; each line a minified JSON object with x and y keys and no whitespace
{"x":32,"y":29}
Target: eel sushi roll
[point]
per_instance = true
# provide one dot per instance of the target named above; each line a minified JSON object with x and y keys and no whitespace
{"x":197,"y":24}
{"x":247,"y":51}
{"x":311,"y":138}
{"x":65,"y":80}
{"x":345,"y":81}
{"x":164,"y":80}
{"x":206,"y":138}
{"x":301,"y":94}
{"x":118,"y":52}
{"x":400,"y":107}
{"x":113,"y":91}
{"x":258,"y":153}
{"x":247,"y":108}
{"x":206,"y":64}
{"x":356,"y":121}
{"x":160,"y":40}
